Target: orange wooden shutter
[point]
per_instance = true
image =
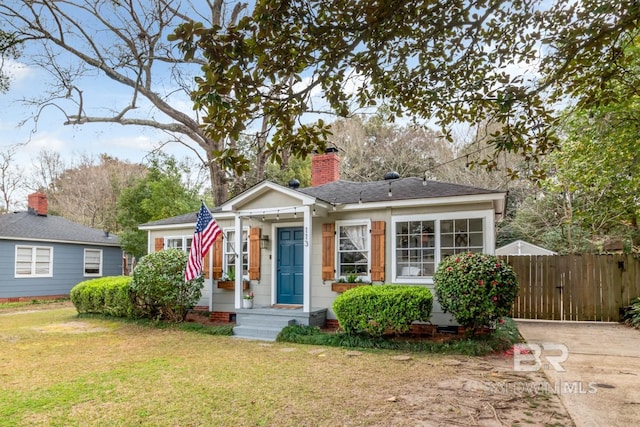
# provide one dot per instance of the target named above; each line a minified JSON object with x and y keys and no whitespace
{"x":217,"y":257}
{"x":159,"y":243}
{"x":328,"y":251}
{"x":206,"y":265}
{"x":254,"y":253}
{"x":377,"y":251}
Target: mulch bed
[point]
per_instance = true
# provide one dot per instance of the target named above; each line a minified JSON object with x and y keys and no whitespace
{"x":418,"y":334}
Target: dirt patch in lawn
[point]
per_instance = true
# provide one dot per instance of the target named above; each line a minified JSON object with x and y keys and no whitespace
{"x":456,"y":391}
{"x":74,"y":327}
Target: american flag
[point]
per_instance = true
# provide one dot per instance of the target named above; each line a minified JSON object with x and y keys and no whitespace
{"x":207,"y":230}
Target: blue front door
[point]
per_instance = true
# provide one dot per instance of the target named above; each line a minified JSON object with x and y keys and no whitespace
{"x":290,"y":265}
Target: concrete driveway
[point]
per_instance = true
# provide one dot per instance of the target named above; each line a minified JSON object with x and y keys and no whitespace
{"x":601,"y":382}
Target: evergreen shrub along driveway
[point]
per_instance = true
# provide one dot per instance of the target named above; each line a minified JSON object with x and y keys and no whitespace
{"x":61,"y":369}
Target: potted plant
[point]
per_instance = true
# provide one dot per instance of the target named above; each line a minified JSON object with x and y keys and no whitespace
{"x":228,"y":280}
{"x":349,"y":281}
{"x":247,"y":301}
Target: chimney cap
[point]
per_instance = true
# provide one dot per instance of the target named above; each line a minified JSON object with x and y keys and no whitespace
{"x":327,"y":150}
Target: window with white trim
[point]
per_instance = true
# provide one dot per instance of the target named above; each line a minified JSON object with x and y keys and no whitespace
{"x":415,"y":248}
{"x":93,"y":262}
{"x":421,"y":241}
{"x":461,"y":236}
{"x":353,"y":249}
{"x":179,"y":242}
{"x":230,"y":251}
{"x":34,"y":261}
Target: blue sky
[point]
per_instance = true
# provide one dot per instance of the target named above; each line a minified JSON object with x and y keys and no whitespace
{"x":128,"y":143}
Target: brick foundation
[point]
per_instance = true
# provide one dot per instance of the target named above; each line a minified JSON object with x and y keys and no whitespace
{"x":332,"y":324}
{"x":223,"y":316}
{"x":32,"y":298}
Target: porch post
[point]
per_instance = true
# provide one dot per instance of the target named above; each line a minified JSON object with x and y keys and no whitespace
{"x":306,"y":275}
{"x":237,"y":247}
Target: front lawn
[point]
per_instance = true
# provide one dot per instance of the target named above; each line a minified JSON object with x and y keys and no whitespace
{"x":61,"y":369}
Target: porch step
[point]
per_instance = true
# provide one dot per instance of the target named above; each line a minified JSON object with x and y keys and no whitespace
{"x":267,"y":322}
{"x":261,"y":333}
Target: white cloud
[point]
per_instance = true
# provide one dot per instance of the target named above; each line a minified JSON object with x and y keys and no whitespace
{"x":17,"y":71}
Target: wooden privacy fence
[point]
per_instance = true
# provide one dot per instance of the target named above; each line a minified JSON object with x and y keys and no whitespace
{"x":575,"y":287}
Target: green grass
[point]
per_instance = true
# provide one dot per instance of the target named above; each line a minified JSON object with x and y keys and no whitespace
{"x":503,"y":338}
{"x":61,"y":369}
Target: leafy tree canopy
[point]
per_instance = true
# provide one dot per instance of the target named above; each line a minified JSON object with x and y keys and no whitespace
{"x":160,"y":194}
{"x":448,"y":61}
{"x":591,"y":198}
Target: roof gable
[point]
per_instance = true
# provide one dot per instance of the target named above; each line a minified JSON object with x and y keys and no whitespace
{"x":277,"y":194}
{"x":521,"y":247}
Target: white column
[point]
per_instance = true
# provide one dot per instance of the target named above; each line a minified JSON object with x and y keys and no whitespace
{"x":237,"y":247}
{"x":306,"y":275}
{"x":209,"y":282}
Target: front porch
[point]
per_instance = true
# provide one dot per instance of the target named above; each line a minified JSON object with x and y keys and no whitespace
{"x":265,"y":323}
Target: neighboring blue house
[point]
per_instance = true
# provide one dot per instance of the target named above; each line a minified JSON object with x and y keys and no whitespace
{"x":46,"y":256}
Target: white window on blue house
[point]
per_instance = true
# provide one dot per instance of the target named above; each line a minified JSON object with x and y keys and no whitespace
{"x":353,"y":249}
{"x":421,"y":241}
{"x":34,"y":261}
{"x":230,"y":251}
{"x":178,"y":242}
{"x":93,"y":262}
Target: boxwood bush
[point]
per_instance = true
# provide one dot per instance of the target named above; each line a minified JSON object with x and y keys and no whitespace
{"x":159,"y":287}
{"x":105,"y":295}
{"x":477,"y":289}
{"x":382,"y":309}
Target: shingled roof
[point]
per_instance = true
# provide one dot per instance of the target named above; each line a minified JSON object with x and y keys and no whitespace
{"x":29,"y":226}
{"x":189,"y":218}
{"x":344,"y":192}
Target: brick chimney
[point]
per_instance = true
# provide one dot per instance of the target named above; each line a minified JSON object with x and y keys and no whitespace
{"x":325,"y":167}
{"x":38,"y":204}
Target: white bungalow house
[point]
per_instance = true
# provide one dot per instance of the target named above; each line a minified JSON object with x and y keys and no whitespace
{"x":293,"y":245}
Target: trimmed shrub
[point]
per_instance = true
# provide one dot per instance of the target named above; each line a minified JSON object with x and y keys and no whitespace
{"x":477,"y":289}
{"x":105,"y":295}
{"x":382,"y":309}
{"x":159,"y":288}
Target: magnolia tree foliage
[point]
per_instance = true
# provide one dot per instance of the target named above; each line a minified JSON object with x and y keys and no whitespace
{"x":477,"y":289}
{"x":448,"y":61}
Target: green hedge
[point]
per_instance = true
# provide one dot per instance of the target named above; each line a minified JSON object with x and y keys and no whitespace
{"x":477,"y":289}
{"x":105,"y":295}
{"x":159,"y":287}
{"x":382,"y":309}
